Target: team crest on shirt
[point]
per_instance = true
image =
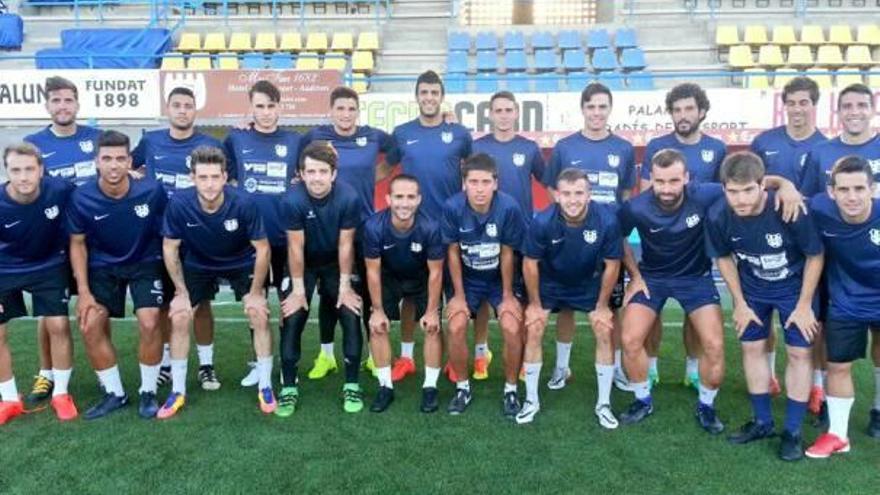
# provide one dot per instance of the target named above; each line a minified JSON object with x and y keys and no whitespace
{"x":361,"y":141}
{"x":491,"y":230}
{"x":311,"y":214}
{"x":875,"y":236}
{"x":613,"y":160}
{"x":87,"y":146}
{"x":707,"y":155}
{"x":281,"y":150}
{"x":519,"y":159}
{"x":590,"y":236}
{"x":446,"y":137}
{"x":142,"y":210}
{"x":875,"y":166}
{"x":692,"y":220}
{"x":415,"y":247}
{"x":774,"y":240}
{"x":231,"y":225}
{"x":51,"y":212}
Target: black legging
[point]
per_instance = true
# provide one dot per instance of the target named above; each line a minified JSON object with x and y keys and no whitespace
{"x":291,"y":343}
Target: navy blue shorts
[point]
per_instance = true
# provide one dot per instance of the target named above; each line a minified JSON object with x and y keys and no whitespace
{"x":764,"y":310}
{"x":691,"y":292}
{"x":556,"y":298}
{"x":847,"y":341}
{"x":143,"y":281}
{"x":203,"y":285}
{"x":48,"y":289}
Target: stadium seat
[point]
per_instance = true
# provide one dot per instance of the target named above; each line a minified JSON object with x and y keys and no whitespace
{"x":215,"y":42}
{"x":547,"y":83}
{"x":518,"y":82}
{"x":486,"y":41}
{"x":317,"y":42}
{"x":625,"y":38}
{"x":874,"y":79}
{"x":829,"y":55}
{"x":173,"y":61}
{"x":240,"y":42}
{"x":368,"y":41}
{"x":844,"y":80}
{"x":459,"y":41}
{"x":545,"y":60}
{"x":726,"y":36}
{"x":281,"y":60}
{"x":859,"y":55}
{"x":515,"y":60}
{"x":640,"y":80}
{"x":290,"y":42}
{"x":359,"y":83}
{"x":577,"y":81}
{"x":755,"y":78}
{"x":632,"y":59}
{"x":783,"y":34}
{"x":781,"y":77}
{"x":199,"y":61}
{"x":308,"y":61}
{"x":487,"y":61}
{"x":189,"y":42}
{"x":569,"y":39}
{"x":823,"y":79}
{"x":755,"y":34}
{"x":840,"y":34}
{"x":740,"y":57}
{"x":456,"y":62}
{"x":514,"y":40}
{"x":812,"y":34}
{"x":487,"y":82}
{"x":342,"y":42}
{"x":598,"y":38}
{"x":253,"y":61}
{"x":362,"y":62}
{"x":604,"y":59}
{"x":543,"y":40}
{"x":770,"y":56}
{"x":265,"y":42}
{"x":336,"y":61}
{"x":613,"y":80}
{"x":456,"y":83}
{"x":574,"y":60}
{"x":799,"y":56}
{"x":868,"y":34}
{"x":227,"y":61}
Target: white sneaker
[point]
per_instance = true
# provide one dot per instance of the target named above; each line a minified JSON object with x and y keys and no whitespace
{"x":606,"y":417}
{"x":559,"y":378}
{"x":527,"y":412}
{"x":252,"y":378}
{"x":621,"y":381}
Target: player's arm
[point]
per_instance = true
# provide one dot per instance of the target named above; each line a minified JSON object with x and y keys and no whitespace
{"x":742,"y":313}
{"x":430,"y":321}
{"x":171,"y":257}
{"x":787,"y":197}
{"x":79,"y":256}
{"x":261,"y":265}
{"x":509,"y":303}
{"x":803,"y":316}
{"x":602,"y":315}
{"x":636,"y":282}
{"x":378,"y":319}
{"x":458,"y":302}
{"x":296,"y":300}
{"x":531,"y":276}
{"x":347,"y":296}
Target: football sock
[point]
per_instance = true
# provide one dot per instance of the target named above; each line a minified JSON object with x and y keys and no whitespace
{"x":509,"y":387}
{"x":8,"y":391}
{"x":838,"y":415}
{"x":206,"y":354}
{"x":178,"y":376}
{"x":464,"y":385}
{"x":794,"y":415}
{"x":533,"y":374}
{"x":431,"y":376}
{"x":563,"y":354}
{"x":480,"y":350}
{"x":604,"y":379}
{"x":707,"y":395}
{"x":406,"y":349}
{"x":642,"y":391}
{"x":166,"y":355}
{"x":47,"y":374}
{"x":149,"y":377}
{"x":384,"y":376}
{"x":327,"y":349}
{"x":62,"y":379}
{"x":761,"y":408}
{"x":112,"y":381}
{"x":692,"y":366}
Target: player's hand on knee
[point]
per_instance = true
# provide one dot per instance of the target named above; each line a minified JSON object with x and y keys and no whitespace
{"x":510,"y":306}
{"x":536,"y":315}
{"x":180,"y":306}
{"x":602,"y":318}
{"x":742,"y":317}
{"x":255,"y":305}
{"x":379,"y":323}
{"x":349,"y":299}
{"x":85,"y":305}
{"x":805,"y":320}
{"x":635,"y":286}
{"x":293,"y":303}
{"x":456,"y":306}
{"x":430,"y":322}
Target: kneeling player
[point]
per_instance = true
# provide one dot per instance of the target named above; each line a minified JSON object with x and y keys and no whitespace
{"x":768,"y":265}
{"x":572,"y":259}
{"x":223,"y":237}
{"x":404,"y":258}
{"x":32,"y":259}
{"x":483,"y":229}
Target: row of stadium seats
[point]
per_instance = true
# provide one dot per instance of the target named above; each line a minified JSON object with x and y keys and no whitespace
{"x":546,"y":83}
{"x":756,"y":34}
{"x":603,"y":59}
{"x":761,"y":79}
{"x":268,"y":42}
{"x":361,"y":62}
{"x":741,"y":56}
{"x":543,"y":40}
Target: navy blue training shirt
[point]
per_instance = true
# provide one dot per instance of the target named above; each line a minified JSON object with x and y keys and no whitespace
{"x":404,"y":255}
{"x":610,"y":165}
{"x":71,"y":158}
{"x":703,"y":158}
{"x":518,"y":160}
{"x":321,"y":220}
{"x":783,"y":155}
{"x":820,"y":161}
{"x":167,"y":159}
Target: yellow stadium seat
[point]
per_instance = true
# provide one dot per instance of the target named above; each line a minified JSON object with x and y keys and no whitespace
{"x":189,"y":42}
{"x":840,"y":34}
{"x":342,"y":42}
{"x":317,"y":42}
{"x":368,"y":41}
{"x":812,"y":35}
{"x":173,"y":61}
{"x":335,"y":60}
{"x":199,"y":61}
{"x":265,"y":42}
{"x":755,"y":79}
{"x":782,"y":76}
{"x":215,"y":42}
{"x":829,"y":55}
{"x":874,"y":79}
{"x":308,"y":61}
{"x":800,"y":55}
{"x":783,"y":34}
{"x":858,"y":55}
{"x":823,"y":80}
{"x":240,"y":42}
{"x":741,"y":57}
{"x":868,"y":34}
{"x":770,"y":56}
{"x":362,"y":62}
{"x":290,"y":42}
{"x":755,"y":35}
{"x":359,"y":83}
{"x":227,"y":61}
{"x":844,"y":80}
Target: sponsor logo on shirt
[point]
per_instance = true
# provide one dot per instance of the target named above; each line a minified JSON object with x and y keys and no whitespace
{"x":519,"y":159}
{"x":692,"y":220}
{"x":613,"y":160}
{"x":87,"y":146}
{"x":707,"y":155}
{"x":142,"y":210}
{"x":774,"y":240}
{"x":231,"y":225}
{"x":51,"y":212}
{"x":590,"y":236}
{"x":446,"y":137}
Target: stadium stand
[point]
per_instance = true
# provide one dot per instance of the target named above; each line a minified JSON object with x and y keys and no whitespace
{"x":101,"y":48}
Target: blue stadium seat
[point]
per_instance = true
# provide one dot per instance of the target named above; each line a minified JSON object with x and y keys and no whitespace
{"x":613,"y":80}
{"x":487,"y":41}
{"x":545,"y":60}
{"x":514,"y":40}
{"x":487,"y":82}
{"x":455,"y":83}
{"x":487,"y":61}
{"x":547,"y":83}
{"x":645,"y":82}
{"x":569,"y":39}
{"x":459,"y":41}
{"x":253,"y":60}
{"x":626,"y":38}
{"x":515,"y":60}
{"x":576,"y":81}
{"x":574,"y":60}
{"x":604,"y":59}
{"x":598,"y":38}
{"x":456,"y":62}
{"x":281,"y":60}
{"x":632,"y":59}
{"x":518,"y":82}
{"x":543,"y":40}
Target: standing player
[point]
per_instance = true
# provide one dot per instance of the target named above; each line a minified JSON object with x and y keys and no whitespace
{"x":262,"y":162}
{"x":68,"y":152}
{"x":483,"y":229}
{"x":114,"y":226}
{"x":222,"y":232}
{"x":320,"y":216}
{"x":609,"y":162}
{"x":848,"y":219}
{"x":572,"y":259}
{"x":768,"y":265}
{"x":404,"y":258}
{"x":33,"y":258}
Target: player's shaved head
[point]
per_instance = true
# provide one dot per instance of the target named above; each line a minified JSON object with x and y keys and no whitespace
{"x":742,"y":167}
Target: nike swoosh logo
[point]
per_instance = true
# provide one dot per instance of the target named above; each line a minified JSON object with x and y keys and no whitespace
{"x":245,"y":151}
{"x":575,"y":162}
{"x":388,"y":246}
{"x":411,"y":141}
{"x":47,"y":155}
{"x":654,"y":231}
{"x":10,"y":225}
{"x":191,"y":224}
{"x":101,"y":217}
{"x":735,"y":239}
{"x":770,"y":153}
{"x":556,"y":241}
{"x":464,"y":231}
{"x":828,"y":234}
{"x":158,"y":157}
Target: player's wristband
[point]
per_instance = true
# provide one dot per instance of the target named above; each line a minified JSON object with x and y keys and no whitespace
{"x":344,"y":281}
{"x":299,"y":287}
